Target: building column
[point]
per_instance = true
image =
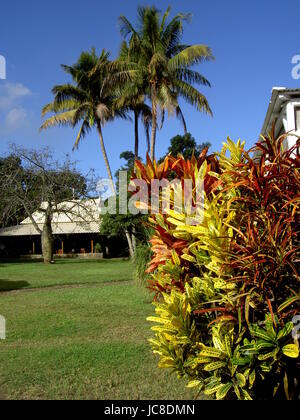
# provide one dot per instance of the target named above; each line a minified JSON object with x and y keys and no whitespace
{"x":33,"y":248}
{"x":92,"y":246}
{"x":62,"y":247}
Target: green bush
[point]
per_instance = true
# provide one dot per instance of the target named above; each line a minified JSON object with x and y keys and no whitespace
{"x":98,"y":248}
{"x":227,"y":287}
{"x":140,"y":261}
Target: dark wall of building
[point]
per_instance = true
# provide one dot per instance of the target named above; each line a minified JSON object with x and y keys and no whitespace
{"x":14,"y":247}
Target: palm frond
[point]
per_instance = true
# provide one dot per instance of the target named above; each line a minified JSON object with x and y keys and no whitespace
{"x":157,"y":60}
{"x":192,"y":55}
{"x":173,"y":33}
{"x":192,"y":77}
{"x":83,"y":112}
{"x":126,"y":27}
{"x":180,"y":116}
{"x":84,"y":129}
{"x":163,"y":21}
{"x":117,"y":81}
{"x":124,"y":51}
{"x":70,"y":70}
{"x":173,"y":50}
{"x":59,"y":107}
{"x":167,"y":99}
{"x":162,"y":121}
{"x":193,"y":96}
{"x":149,"y":22}
{"x":99,"y":67}
{"x":65,"y":118}
{"x":68,"y":92}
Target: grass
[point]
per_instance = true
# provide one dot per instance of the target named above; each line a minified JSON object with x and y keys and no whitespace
{"x":80,"y":343}
{"x":64,"y":272}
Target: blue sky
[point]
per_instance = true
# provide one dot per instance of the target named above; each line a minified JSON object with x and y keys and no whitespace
{"x":253,"y":43}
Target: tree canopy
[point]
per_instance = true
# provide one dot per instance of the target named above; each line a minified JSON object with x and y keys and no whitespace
{"x":186,"y":146}
{"x":162,"y":65}
{"x":34,"y":181}
{"x":87,"y":102}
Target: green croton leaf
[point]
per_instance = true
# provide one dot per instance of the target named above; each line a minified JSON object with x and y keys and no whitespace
{"x":223,"y":391}
{"x":291,"y":350}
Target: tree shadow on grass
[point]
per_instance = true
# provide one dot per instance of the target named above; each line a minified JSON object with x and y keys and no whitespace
{"x":9,"y":285}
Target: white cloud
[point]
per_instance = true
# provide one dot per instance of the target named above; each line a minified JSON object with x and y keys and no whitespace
{"x":16,"y":118}
{"x":11,"y":94}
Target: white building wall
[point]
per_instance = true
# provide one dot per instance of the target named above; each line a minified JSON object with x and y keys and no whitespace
{"x":291,"y":123}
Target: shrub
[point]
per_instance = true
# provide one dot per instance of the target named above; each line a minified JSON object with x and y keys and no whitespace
{"x":227,"y":289}
{"x":98,"y":248}
{"x":141,"y":259}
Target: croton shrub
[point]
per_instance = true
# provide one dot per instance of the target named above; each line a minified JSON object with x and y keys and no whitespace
{"x":227,"y":289}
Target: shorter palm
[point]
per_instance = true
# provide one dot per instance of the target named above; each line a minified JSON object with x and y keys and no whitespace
{"x":87,"y":102}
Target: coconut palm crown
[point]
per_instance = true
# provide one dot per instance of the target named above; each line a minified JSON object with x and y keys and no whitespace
{"x":162,"y":65}
{"x":85,"y":102}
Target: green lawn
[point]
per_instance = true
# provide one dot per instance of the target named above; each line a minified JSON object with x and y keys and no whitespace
{"x":79,"y":343}
{"x":63,"y":272}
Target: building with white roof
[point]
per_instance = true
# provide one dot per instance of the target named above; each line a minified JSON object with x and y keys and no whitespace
{"x":75,"y":227}
{"x":70,"y":217}
{"x":284,"y":110}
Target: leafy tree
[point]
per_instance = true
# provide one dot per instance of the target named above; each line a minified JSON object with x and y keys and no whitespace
{"x":87,"y":101}
{"x":128,"y":225}
{"x":163,"y":64}
{"x":186,"y":146}
{"x":9,"y":166}
{"x":34,"y":181}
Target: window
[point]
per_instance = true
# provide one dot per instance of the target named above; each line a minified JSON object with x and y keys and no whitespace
{"x":297,"y":118}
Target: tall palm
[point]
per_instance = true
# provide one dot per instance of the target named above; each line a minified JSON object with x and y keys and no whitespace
{"x":164,"y":64}
{"x":131,"y":95}
{"x":86,"y":102}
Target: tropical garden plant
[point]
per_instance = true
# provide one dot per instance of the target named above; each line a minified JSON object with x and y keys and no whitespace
{"x":227,"y":288}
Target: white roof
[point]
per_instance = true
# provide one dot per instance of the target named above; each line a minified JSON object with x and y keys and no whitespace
{"x":279,"y":96}
{"x":70,"y":217}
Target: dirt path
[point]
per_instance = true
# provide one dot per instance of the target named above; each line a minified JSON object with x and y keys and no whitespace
{"x":66,"y":286}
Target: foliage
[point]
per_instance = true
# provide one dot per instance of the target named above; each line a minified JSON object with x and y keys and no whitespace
{"x":9,"y":166}
{"x":117,"y":224}
{"x":87,"y":102}
{"x":98,"y":248}
{"x":227,"y":287}
{"x":186,"y":146}
{"x":142,"y":257}
{"x":132,"y":96}
{"x":30,"y":177}
{"x":33,"y":181}
{"x":126,"y":225}
{"x":156,"y":63}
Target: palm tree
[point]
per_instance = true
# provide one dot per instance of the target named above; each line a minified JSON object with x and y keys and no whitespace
{"x":163,"y":64}
{"x":86,"y":102}
{"x":131,"y":95}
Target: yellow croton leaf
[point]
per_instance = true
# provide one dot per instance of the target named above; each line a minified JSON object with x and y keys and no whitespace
{"x":291,"y":350}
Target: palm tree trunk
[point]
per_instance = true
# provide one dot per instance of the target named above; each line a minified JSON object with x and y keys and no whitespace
{"x":136,"y":134}
{"x":113,"y":188}
{"x":154,"y":123}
